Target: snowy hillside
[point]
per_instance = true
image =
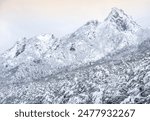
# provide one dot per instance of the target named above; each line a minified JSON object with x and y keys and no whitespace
{"x":101,"y":62}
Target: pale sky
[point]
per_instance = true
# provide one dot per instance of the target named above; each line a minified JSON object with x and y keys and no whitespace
{"x":28,"y":18}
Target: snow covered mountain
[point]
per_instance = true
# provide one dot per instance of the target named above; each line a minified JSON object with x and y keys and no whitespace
{"x":87,"y":66}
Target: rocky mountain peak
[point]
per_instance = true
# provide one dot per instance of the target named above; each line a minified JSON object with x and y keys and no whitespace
{"x":116,"y":14}
{"x":44,"y":37}
{"x":92,"y":22}
{"x":122,"y":21}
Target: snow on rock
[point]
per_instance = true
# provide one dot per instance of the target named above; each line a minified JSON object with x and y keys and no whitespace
{"x":101,"y":62}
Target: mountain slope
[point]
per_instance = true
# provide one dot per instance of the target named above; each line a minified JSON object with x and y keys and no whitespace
{"x":119,"y":80}
{"x":44,"y":55}
{"x":99,"y":63}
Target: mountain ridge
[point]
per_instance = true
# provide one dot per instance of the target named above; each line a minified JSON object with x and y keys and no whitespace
{"x":103,"y":62}
{"x":87,"y":44}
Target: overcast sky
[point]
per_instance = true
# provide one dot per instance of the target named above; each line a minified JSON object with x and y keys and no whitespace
{"x":27,"y":18}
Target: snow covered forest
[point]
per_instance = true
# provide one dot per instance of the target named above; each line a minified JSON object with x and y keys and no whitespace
{"x":100,"y":63}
